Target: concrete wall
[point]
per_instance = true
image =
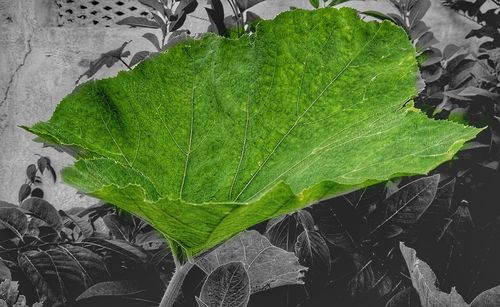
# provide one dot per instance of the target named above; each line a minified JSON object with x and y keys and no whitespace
{"x":39,"y":63}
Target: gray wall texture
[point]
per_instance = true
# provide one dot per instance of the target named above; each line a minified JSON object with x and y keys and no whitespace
{"x":40,"y":62}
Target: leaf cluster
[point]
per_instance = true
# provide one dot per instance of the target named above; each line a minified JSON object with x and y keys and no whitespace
{"x":82,"y":256}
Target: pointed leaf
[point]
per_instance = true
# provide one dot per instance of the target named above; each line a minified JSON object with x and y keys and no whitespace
{"x":244,"y":5}
{"x":82,"y":223}
{"x":314,"y":3}
{"x":406,"y":297}
{"x":112,"y":288}
{"x":13,"y":219}
{"x":472,"y":91}
{"x":139,"y":57}
{"x":322,"y":113}
{"x":117,"y":247}
{"x":408,"y":204}
{"x":44,"y":211}
{"x":140,"y":22}
{"x":154,"y":4}
{"x":61,"y":273}
{"x":42,"y":163}
{"x":216,"y":18}
{"x":424,"y":281}
{"x":284,"y":230}
{"x":31,"y":172}
{"x":313,"y":251}
{"x":153,"y":39}
{"x":24,"y":192}
{"x":118,"y":228}
{"x":418,"y":11}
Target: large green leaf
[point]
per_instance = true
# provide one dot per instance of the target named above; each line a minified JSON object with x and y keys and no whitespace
{"x":215,"y":135}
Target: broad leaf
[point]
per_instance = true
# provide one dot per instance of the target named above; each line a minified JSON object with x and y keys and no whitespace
{"x":83,"y":224}
{"x":284,"y":230}
{"x":267,"y":265}
{"x":424,"y":281}
{"x":117,"y":227}
{"x":227,"y":286}
{"x":408,"y":204}
{"x":44,"y":211}
{"x":313,"y":252}
{"x":216,"y":135}
{"x":62,"y":273}
{"x":13,"y":219}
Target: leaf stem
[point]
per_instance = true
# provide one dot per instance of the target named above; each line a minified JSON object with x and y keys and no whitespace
{"x":175,"y":285}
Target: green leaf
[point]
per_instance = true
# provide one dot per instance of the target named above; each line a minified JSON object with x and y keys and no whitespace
{"x":226,"y":286}
{"x":268,"y":266}
{"x":216,"y":135}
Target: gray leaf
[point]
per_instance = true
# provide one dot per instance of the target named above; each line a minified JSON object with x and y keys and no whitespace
{"x":488,"y":298}
{"x":268,"y":266}
{"x":313,"y":251}
{"x":227,"y":286}
{"x":407,"y":205}
{"x":44,"y":211}
{"x":424,"y":281}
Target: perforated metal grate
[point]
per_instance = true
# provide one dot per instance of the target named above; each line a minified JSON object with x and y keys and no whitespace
{"x":102,"y":13}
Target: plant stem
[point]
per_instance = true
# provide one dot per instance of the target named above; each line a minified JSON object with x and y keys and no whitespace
{"x":175,"y":285}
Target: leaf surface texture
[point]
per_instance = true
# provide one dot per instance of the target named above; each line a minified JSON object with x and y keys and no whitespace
{"x":215,"y":135}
